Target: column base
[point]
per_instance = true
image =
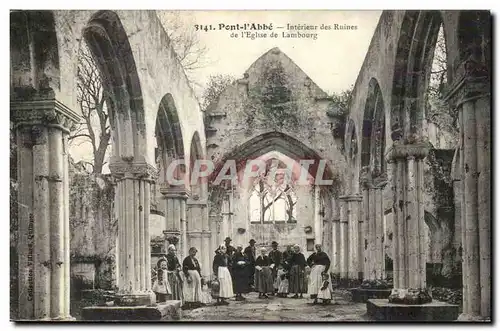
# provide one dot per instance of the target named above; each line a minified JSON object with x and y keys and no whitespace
{"x":165,"y":311}
{"x":364,"y":294}
{"x":473,"y":318}
{"x":135,"y":299}
{"x":383,"y":310}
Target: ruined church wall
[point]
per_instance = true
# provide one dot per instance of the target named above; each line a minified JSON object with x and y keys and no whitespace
{"x":158,"y":69}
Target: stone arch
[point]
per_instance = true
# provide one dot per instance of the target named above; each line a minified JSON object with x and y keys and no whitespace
{"x":109,"y":44}
{"x":275,"y":141}
{"x":168,"y":134}
{"x":198,"y":188}
{"x":415,"y":51}
{"x":373,"y":135}
{"x":351,"y":142}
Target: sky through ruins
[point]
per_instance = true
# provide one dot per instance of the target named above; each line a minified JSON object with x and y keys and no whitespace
{"x":333,"y":60}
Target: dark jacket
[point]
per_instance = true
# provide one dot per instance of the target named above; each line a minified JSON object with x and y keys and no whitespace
{"x":320,"y":258}
{"x":276,"y":257}
{"x":250,"y":254}
{"x":221,"y":260}
{"x":188,"y":264}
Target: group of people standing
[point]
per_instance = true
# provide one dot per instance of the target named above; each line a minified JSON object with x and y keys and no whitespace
{"x":274,"y":272}
{"x":237,"y":271}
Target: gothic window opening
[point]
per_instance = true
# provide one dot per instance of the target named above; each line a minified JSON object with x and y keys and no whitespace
{"x":272,"y":201}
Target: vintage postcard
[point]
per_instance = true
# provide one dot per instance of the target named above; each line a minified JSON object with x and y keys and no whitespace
{"x":293,"y":166}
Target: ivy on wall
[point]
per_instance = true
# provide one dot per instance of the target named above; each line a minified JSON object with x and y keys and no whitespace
{"x":271,"y":101}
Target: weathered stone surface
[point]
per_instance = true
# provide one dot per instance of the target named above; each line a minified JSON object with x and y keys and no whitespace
{"x":382,"y":310}
{"x":171,"y":310}
{"x":363,"y":294}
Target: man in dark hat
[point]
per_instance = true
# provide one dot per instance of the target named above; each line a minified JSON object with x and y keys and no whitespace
{"x":276,"y":259}
{"x":251,"y":255}
{"x":229,"y":249}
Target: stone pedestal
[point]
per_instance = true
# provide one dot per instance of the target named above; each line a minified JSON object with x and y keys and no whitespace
{"x":42,"y":125}
{"x":132,"y":205}
{"x":363,"y":294}
{"x":175,"y":217}
{"x":382,"y":310}
{"x":470,"y":95}
{"x":167,"y":311}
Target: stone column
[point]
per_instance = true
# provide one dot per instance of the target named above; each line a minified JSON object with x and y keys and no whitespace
{"x":175,"y":217}
{"x":336,"y":246}
{"x":374,"y":267}
{"x":378,"y":207}
{"x":366,"y":185}
{"x":343,"y":239}
{"x":409,"y":231}
{"x":471,"y":96}
{"x":318,"y":219}
{"x":198,"y":232}
{"x":42,"y":126}
{"x":134,"y":252}
{"x":350,"y":217}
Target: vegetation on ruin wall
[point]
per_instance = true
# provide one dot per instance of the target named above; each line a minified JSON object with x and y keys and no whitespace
{"x":270,"y":102}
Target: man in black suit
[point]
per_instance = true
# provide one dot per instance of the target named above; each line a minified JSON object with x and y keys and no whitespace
{"x":229,"y":249}
{"x":276,"y":258}
{"x":250,"y":253}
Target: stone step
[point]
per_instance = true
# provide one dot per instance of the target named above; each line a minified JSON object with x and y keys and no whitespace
{"x":166,"y":311}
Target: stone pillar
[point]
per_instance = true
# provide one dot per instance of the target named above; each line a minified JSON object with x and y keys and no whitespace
{"x":409,"y":231}
{"x":373,"y":210}
{"x":343,"y":240}
{"x":350,"y":216}
{"x":175,"y":217}
{"x":367,"y":247}
{"x":318,"y":219}
{"x":42,"y":126}
{"x":134,"y":252}
{"x":471,"y":96}
{"x":378,"y":206}
{"x":198,"y":232}
{"x":336,"y":246}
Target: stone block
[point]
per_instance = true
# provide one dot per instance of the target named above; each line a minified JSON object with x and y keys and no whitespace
{"x":382,"y":310}
{"x":363,"y":294}
{"x":167,"y":311}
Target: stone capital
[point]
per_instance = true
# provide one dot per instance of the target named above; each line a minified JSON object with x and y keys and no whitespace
{"x":380,"y":182}
{"x":472,"y":81}
{"x":43,"y":111}
{"x":199,"y":203}
{"x":174,"y":192}
{"x":400,"y":151}
{"x":136,"y":170}
{"x":365,"y":177}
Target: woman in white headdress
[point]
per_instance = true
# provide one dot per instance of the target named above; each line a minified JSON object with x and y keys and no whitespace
{"x":173,"y":273}
{"x":192,"y":284}
{"x":220,"y":267}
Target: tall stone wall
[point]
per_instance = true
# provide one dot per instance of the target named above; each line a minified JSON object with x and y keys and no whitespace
{"x":93,"y":230}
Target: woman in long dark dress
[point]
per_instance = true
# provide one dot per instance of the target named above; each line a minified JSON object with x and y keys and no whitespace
{"x":221,"y":270}
{"x":319,"y":263}
{"x":173,"y":273}
{"x":192,"y":280}
{"x":239,"y":273}
{"x":264,"y":274}
{"x":297,"y":272}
